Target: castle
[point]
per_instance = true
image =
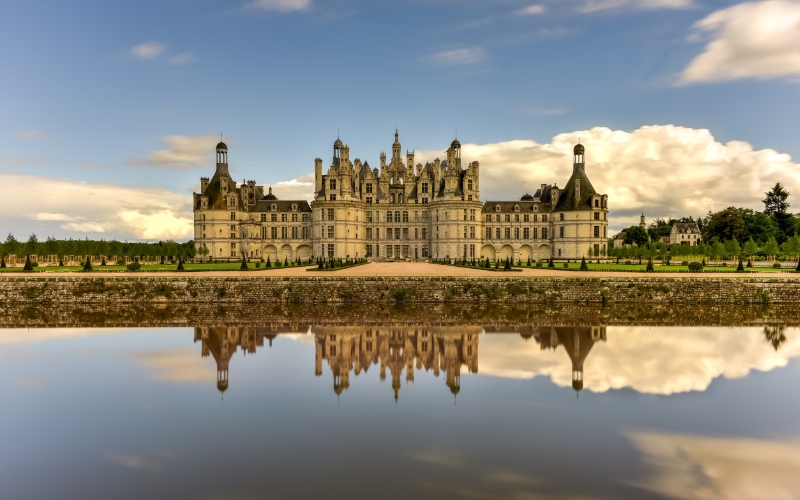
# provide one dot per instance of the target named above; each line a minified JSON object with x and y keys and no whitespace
{"x":401,"y":211}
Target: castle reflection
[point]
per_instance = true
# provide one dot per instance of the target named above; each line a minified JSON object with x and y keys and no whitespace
{"x":402,"y":351}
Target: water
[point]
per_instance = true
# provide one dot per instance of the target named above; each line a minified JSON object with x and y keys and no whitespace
{"x":328,"y":406}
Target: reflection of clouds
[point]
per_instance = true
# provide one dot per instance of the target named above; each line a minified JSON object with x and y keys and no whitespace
{"x":176,"y":365}
{"x":648,"y":360}
{"x":135,"y":462}
{"x":705,"y":468}
{"x":13,"y":336}
{"x":443,"y":458}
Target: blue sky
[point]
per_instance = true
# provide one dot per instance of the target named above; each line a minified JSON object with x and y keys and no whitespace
{"x":126,"y":100}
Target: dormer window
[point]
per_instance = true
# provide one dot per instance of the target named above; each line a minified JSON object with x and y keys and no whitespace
{"x":273,"y":207}
{"x":294,"y":207}
{"x":516,"y":208}
{"x":333,"y":184}
{"x":497,"y":208}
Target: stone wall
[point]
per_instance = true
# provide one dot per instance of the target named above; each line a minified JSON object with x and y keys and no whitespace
{"x":125,"y":289}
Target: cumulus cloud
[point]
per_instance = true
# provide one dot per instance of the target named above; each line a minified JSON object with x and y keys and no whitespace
{"x":148,"y":50}
{"x":530,"y":10}
{"x":301,"y":188}
{"x":707,"y":468}
{"x":108,"y":210}
{"x":281,"y":5}
{"x":661,"y":170}
{"x":596,"y":5}
{"x":182,"y":153}
{"x":177,"y":365}
{"x":689,"y":359}
{"x":460,"y":57}
{"x":749,"y":40}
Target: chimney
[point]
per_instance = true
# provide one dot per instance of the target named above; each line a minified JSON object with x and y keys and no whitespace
{"x":317,"y":176}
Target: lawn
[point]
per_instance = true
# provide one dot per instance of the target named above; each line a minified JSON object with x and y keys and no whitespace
{"x":221,"y":266}
{"x":575,"y":266}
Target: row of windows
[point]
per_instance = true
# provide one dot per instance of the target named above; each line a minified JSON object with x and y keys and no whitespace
{"x":505,"y":233}
{"x":507,"y":218}
{"x":397,"y":251}
{"x":396,"y":233}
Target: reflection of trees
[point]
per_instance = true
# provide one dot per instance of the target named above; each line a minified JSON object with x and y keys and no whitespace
{"x":775,"y":336}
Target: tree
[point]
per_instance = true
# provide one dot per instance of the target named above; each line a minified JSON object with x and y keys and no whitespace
{"x":661,"y":227}
{"x":776,"y":205}
{"x":792,"y":247}
{"x":771,"y":249}
{"x":584,"y":266}
{"x":758,"y":225}
{"x":725,"y":225}
{"x":636,"y":235}
{"x":717,"y":250}
{"x":12,"y":245}
{"x":750,"y":248}
{"x":775,"y":336}
{"x":733,"y":249}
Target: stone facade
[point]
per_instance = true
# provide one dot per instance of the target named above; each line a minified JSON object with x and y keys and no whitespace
{"x":685,"y":233}
{"x":400,"y":211}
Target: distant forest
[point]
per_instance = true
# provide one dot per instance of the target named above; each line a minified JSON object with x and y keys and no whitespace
{"x":97,"y":248}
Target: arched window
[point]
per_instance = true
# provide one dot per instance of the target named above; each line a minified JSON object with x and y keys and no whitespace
{"x":405,"y":216}
{"x":389,"y":216}
{"x":400,"y":198}
{"x":397,"y":216}
{"x":392,"y":198}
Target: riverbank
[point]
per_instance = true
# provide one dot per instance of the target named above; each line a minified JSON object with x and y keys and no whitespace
{"x":268,"y":289}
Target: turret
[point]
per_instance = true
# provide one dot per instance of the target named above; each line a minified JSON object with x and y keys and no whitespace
{"x":203,"y":184}
{"x":222,"y":158}
{"x":579,"y":161}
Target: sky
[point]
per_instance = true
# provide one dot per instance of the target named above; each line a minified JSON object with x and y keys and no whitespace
{"x":112,"y":109}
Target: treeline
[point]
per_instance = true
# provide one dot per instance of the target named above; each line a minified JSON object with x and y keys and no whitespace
{"x":96,"y":248}
{"x":717,"y":250}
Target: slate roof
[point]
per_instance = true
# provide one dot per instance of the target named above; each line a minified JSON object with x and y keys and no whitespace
{"x":282,"y":206}
{"x":566,"y":200}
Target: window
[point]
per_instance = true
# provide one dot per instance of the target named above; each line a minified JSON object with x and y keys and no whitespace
{"x":332,"y":197}
{"x":284,"y":217}
{"x":330,"y":249}
{"x":369,"y":200}
{"x":369,"y":254}
{"x":274,"y":233}
{"x":233,"y":227}
{"x":273,"y":217}
{"x":424,"y":188}
{"x":465,"y":232}
{"x":561,"y":231}
{"x":397,"y":233}
{"x":377,"y":237}
{"x":306,"y":232}
{"x":516,"y":233}
{"x":425,"y":216}
{"x":508,"y":218}
{"x":488,"y":217}
{"x":405,"y":233}
{"x":497,"y":218}
{"x":368,"y":188}
{"x":596,"y":231}
{"x":597,"y":203}
{"x":497,"y":233}
{"x":389,"y":232}
{"x":233,"y":215}
{"x":535,"y":233}
{"x":233,"y":235}
{"x":333,"y":184}
{"x":526,"y":233}
{"x":331,"y":214}
{"x":605,"y":228}
{"x":424,"y":201}
{"x":305,"y":217}
{"x":389,"y":216}
{"x":488,"y":233}
{"x":465,"y":214}
{"x":472,"y":232}
{"x":507,"y":233}
{"x":424,"y":235}
{"x":544,"y":233}
{"x":405,"y":216}
{"x":330,"y":231}
{"x":396,"y":216}
{"x":560,"y":216}
{"x":469,"y":184}
{"x":597,"y":216}
{"x":535,"y":218}
{"x":392,"y":198}
{"x":294,"y":232}
{"x":369,"y":233}
{"x":263,"y":217}
{"x":544,"y":217}
{"x":368,"y":216}
{"x":416,"y":233}
{"x":294,"y":217}
{"x":263,"y":233}
{"x":285,"y":233}
{"x":526,"y":218}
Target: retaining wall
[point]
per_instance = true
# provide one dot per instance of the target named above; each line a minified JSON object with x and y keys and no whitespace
{"x":322,"y":290}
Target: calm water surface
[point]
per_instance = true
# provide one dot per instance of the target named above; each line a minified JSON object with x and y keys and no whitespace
{"x":382,"y":411}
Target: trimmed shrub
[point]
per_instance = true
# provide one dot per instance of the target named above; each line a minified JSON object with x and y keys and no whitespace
{"x":776,"y":265}
{"x":539,"y":264}
{"x":685,"y":263}
{"x":695,"y":267}
{"x":584,"y":266}
{"x":749,"y":263}
{"x":2,"y":262}
{"x":740,"y":267}
{"x":28,"y":265}
{"x":550,"y":263}
{"x":133,"y":267}
{"x":180,"y":265}
{"x":566,"y":266}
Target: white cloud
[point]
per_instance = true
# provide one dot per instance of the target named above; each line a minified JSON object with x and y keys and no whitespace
{"x":462,"y":56}
{"x":711,"y":468}
{"x":596,"y":5}
{"x":301,"y":188}
{"x":149,"y":50}
{"x":661,"y":170}
{"x":281,"y":5}
{"x":530,"y":10}
{"x":185,"y":58}
{"x":749,"y":40}
{"x":182,"y":153}
{"x":109,"y":210}
{"x":689,"y":359}
{"x":19,"y":336}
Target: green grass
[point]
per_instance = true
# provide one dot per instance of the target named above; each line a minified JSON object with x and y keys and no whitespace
{"x":575,"y":266}
{"x":222,"y":266}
